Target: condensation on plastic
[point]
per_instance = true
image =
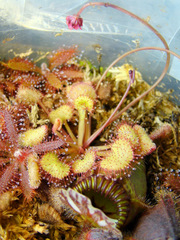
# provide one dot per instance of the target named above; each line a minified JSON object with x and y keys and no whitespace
{"x":37,"y":26}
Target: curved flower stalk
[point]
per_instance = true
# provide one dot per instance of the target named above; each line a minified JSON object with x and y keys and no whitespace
{"x":152,"y":87}
{"x":114,"y":116}
{"x":76,"y":18}
{"x":76,"y":22}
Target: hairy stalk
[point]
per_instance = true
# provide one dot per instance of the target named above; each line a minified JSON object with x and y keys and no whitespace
{"x":7,"y":176}
{"x":48,"y":146}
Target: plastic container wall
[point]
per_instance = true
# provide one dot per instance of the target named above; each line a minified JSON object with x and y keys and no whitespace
{"x":33,"y":28}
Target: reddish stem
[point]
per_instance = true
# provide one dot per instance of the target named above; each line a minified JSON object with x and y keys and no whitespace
{"x":43,"y":107}
{"x":128,"y":13}
{"x":94,"y":135}
{"x":153,"y":86}
{"x":113,"y":117}
{"x":134,"y":16}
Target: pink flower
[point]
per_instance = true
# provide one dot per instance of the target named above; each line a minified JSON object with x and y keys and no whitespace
{"x":74,"y":22}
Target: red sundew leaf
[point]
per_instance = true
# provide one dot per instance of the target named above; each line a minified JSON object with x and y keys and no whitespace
{"x":82,"y":205}
{"x":10,"y":87}
{"x":69,"y":74}
{"x":2,"y":122}
{"x":28,"y":80}
{"x":21,"y":64}
{"x":24,"y":184}
{"x":53,"y":80}
{"x":48,"y":146}
{"x":3,"y":161}
{"x":4,"y":148}
{"x":162,"y":131}
{"x":12,"y":134}
{"x":60,"y":57}
{"x":7,"y":176}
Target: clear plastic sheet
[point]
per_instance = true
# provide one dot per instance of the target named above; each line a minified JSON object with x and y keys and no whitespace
{"x":34,"y":27}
